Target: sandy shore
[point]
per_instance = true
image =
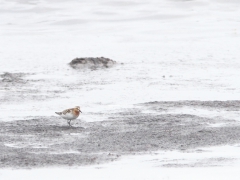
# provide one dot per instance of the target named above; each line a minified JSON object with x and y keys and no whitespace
{"x":48,"y":141}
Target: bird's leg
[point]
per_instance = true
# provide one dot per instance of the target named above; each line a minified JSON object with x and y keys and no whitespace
{"x":69,"y":123}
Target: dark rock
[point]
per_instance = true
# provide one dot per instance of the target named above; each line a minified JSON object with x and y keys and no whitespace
{"x":90,"y":62}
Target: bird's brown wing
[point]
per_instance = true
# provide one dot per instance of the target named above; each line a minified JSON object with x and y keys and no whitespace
{"x":67,"y":111}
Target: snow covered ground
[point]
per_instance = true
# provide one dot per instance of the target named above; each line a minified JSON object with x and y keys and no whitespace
{"x":171,"y":50}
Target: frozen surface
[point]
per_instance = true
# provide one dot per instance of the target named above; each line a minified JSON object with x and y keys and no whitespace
{"x":167,"y":52}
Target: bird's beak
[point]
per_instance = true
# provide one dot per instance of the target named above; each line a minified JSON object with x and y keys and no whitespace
{"x":80,"y":111}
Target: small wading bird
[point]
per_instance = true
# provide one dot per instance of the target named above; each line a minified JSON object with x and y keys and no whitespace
{"x":70,"y":114}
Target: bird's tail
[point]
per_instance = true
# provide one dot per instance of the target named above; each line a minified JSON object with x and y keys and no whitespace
{"x":59,"y":113}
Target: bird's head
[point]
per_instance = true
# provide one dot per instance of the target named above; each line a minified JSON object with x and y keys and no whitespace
{"x":78,"y":108}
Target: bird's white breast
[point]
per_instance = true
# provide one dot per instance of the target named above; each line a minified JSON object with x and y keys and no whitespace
{"x":68,"y":116}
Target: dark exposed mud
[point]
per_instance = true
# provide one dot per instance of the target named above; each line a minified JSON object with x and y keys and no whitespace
{"x":48,"y":141}
{"x":12,"y":77}
{"x":20,"y":87}
{"x":233,"y":105}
